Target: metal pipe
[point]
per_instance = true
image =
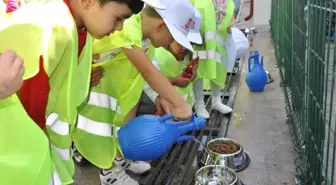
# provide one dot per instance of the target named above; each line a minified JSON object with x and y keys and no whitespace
{"x":251,"y":11}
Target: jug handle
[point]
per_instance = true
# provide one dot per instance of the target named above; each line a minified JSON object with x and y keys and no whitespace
{"x":197,"y":122}
{"x":176,"y":123}
{"x":262,"y":61}
{"x":166,"y":117}
{"x":184,"y":138}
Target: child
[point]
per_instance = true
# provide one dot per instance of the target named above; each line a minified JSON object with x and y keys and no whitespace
{"x":57,"y":48}
{"x":172,"y":63}
{"x":217,"y":16}
{"x":29,"y":144}
{"x":126,"y":67}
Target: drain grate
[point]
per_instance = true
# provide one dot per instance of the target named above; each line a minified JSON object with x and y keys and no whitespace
{"x":178,"y":166}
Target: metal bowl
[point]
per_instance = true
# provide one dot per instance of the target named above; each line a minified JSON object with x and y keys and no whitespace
{"x":237,"y":161}
{"x":269,"y":77}
{"x":216,"y":175}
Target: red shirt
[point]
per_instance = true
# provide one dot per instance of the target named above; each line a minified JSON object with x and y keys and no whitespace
{"x":34,"y":92}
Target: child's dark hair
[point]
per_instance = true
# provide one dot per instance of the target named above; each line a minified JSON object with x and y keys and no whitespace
{"x":135,"y":5}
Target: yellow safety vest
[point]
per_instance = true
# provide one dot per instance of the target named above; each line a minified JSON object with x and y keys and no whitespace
{"x":113,"y":98}
{"x":212,"y":52}
{"x":24,"y":148}
{"x":55,"y":39}
{"x":171,"y":68}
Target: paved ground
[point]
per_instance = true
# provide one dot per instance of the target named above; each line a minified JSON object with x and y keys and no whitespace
{"x":259,"y":125}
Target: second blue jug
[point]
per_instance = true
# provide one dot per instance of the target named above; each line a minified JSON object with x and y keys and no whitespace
{"x":149,"y":137}
{"x":256,"y":77}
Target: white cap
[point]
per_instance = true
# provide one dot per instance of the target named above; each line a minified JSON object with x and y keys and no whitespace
{"x":194,"y":32}
{"x":178,"y":16}
{"x":155,"y":4}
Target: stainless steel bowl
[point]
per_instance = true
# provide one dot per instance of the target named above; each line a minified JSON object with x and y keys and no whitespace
{"x":269,"y":78}
{"x":237,"y":161}
{"x":216,"y":175}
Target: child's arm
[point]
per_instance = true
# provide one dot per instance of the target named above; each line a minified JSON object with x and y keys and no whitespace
{"x":159,"y":83}
{"x":175,"y":81}
{"x":11,"y":72}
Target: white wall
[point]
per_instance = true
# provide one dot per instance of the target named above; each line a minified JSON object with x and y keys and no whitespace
{"x":262,"y":12}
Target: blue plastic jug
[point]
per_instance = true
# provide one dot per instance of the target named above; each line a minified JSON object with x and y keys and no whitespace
{"x":256,"y":77}
{"x":149,"y":137}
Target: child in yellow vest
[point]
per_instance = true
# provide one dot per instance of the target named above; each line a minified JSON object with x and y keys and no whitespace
{"x":113,"y":101}
{"x":56,"y":48}
{"x":212,"y":71}
{"x":172,"y":63}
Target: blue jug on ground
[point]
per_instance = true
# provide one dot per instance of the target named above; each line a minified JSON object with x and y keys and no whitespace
{"x":256,"y":77}
{"x":149,"y":137}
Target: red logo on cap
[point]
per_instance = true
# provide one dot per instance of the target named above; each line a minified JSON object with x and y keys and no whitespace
{"x":188,"y":24}
{"x":193,"y":25}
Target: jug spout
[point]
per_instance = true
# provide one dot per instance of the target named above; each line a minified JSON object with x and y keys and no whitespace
{"x":199,"y":122}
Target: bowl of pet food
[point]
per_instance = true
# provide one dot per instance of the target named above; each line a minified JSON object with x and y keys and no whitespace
{"x":225,"y":152}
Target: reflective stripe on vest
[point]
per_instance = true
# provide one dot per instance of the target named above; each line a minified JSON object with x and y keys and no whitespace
{"x":58,"y":126}
{"x":212,"y":35}
{"x":104,"y":101}
{"x":55,"y":179}
{"x":63,"y":153}
{"x":210,"y":54}
{"x":94,"y":127}
{"x":61,"y":128}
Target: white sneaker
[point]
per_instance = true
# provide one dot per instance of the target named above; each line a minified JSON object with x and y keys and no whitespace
{"x":220,"y":107}
{"x":77,"y":157}
{"x":116,"y":176}
{"x":202,"y":112}
{"x":137,"y":167}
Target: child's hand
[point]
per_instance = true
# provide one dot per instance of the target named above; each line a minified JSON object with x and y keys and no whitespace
{"x":180,"y":81}
{"x":162,"y":106}
{"x":193,"y":74}
{"x":97,"y":73}
{"x":11,"y":73}
{"x":182,"y":112}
